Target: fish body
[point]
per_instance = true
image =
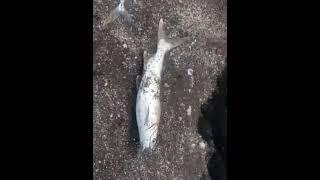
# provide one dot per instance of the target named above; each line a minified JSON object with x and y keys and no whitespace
{"x":148,"y":108}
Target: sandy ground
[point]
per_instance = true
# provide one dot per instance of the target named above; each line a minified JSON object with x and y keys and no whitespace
{"x":189,"y":79}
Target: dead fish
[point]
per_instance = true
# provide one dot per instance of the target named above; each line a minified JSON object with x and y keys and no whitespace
{"x":148,"y":108}
{"x":118,"y":11}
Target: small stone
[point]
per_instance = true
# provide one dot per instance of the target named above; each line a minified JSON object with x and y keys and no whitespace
{"x":166,"y":85}
{"x":190,"y":71}
{"x":193,"y":145}
{"x":111,"y":115}
{"x":180,"y":118}
{"x":202,"y":145}
{"x":118,"y":115}
{"x":125,"y":45}
{"x":189,"y":111}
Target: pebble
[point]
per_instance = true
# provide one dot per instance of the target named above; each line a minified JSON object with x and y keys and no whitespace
{"x":166,"y":85}
{"x":189,"y":111}
{"x":190,"y":71}
{"x":125,"y":45}
{"x":202,"y":145}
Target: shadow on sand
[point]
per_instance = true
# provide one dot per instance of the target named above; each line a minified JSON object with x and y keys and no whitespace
{"x":212,"y":126}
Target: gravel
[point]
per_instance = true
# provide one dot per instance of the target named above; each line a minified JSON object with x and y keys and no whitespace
{"x":189,"y":78}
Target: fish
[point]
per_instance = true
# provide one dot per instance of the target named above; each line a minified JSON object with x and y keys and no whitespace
{"x":148,"y":107}
{"x":116,"y":13}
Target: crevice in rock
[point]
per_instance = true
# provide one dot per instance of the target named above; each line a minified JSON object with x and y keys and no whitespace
{"x":212,"y":126}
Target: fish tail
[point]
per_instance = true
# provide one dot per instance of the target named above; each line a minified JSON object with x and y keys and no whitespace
{"x":172,"y":43}
{"x":115,"y":13}
{"x":161,"y":32}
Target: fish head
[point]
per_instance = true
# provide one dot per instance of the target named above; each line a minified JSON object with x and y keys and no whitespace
{"x":153,"y":138}
{"x":153,"y":142}
{"x":150,"y":141}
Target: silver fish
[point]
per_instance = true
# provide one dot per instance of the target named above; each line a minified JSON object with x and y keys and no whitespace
{"x":148,"y":109}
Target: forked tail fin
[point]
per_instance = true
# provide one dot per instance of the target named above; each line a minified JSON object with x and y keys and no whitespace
{"x":171,"y":43}
{"x":115,"y":13}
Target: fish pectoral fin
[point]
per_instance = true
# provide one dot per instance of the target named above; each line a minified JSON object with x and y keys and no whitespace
{"x":146,"y":57}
